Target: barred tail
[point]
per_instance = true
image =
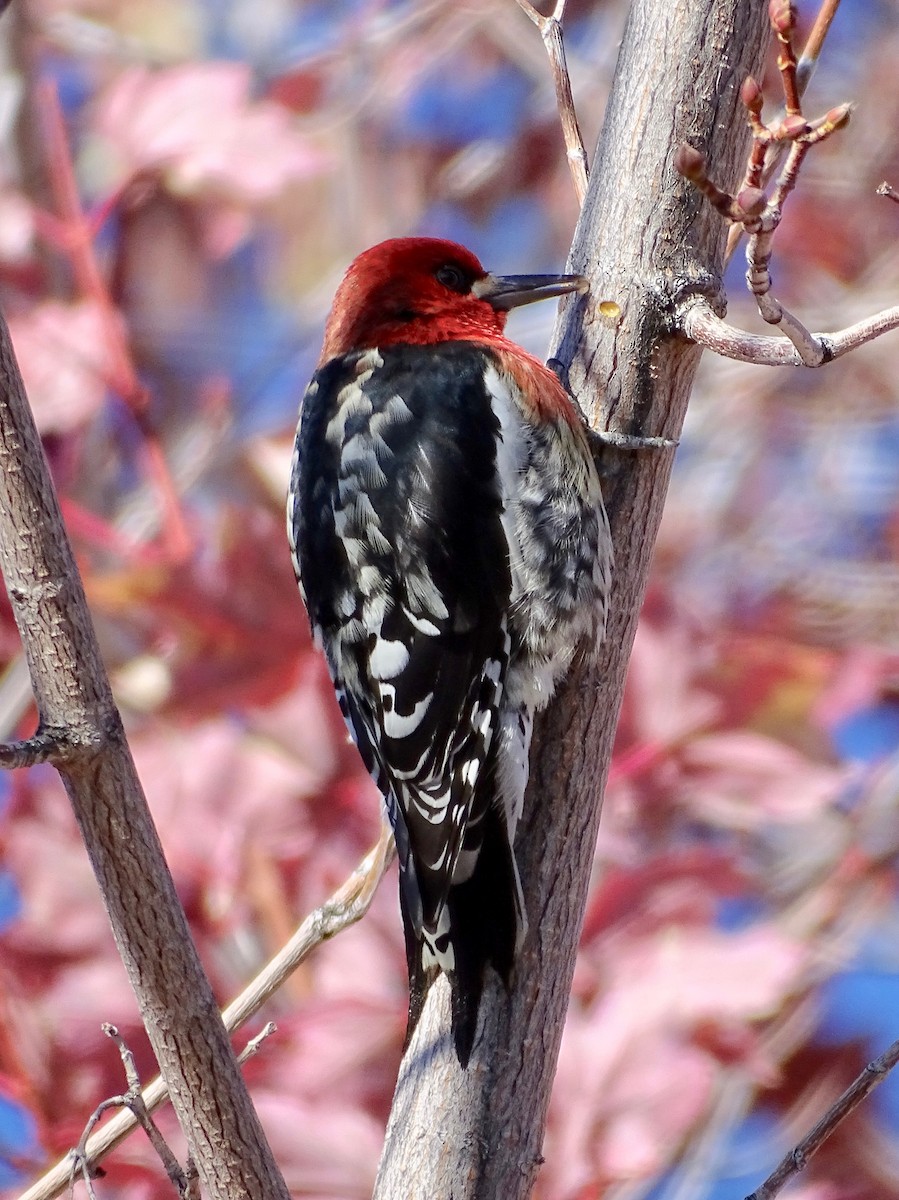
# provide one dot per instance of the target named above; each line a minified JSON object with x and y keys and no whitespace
{"x":481,"y":924}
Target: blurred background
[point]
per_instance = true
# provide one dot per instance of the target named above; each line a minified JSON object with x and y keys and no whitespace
{"x":182,"y":183}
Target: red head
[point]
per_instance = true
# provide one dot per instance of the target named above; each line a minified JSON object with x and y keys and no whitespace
{"x":423,"y":290}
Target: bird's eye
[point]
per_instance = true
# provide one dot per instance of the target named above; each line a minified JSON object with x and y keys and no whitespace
{"x":453,"y":278}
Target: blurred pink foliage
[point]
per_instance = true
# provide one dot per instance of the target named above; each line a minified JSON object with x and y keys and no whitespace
{"x":198,"y":127}
{"x":744,"y":857}
{"x":65,"y":362}
{"x":641,"y":1057}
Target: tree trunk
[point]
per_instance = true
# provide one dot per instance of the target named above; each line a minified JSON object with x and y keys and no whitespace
{"x":644,"y":240}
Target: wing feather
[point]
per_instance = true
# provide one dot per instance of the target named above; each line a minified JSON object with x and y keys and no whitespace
{"x":405,"y":569}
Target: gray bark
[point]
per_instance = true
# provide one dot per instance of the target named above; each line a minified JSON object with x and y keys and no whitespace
{"x":644,"y":240}
{"x":82,"y":733}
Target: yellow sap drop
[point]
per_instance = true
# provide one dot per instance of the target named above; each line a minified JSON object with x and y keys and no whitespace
{"x":610,"y":310}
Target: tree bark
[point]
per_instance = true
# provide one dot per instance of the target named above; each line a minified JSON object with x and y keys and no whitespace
{"x":645,"y":240}
{"x":81,"y":732}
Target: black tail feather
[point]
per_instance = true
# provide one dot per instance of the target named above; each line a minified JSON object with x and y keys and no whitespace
{"x":486,"y":927}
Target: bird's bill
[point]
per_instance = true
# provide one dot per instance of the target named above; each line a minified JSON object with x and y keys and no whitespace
{"x":510,"y":291}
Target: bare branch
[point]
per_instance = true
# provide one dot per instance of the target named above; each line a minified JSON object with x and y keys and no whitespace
{"x":783,"y":20}
{"x":702,"y":326}
{"x":886,"y":189}
{"x":742,"y":207}
{"x":794,"y":1162}
{"x":344,"y":908}
{"x":254,"y":1045}
{"x":635,"y":237}
{"x":810,"y":351}
{"x":551,"y":31}
{"x":73,"y":694}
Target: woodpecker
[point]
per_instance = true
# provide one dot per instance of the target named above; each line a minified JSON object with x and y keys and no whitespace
{"x":448,"y":534}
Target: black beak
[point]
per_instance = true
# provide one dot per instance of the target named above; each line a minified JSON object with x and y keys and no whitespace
{"x":509,"y":291}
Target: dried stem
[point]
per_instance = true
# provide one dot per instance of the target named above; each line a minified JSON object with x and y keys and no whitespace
{"x":551,"y":31}
{"x":794,"y":1162}
{"x":344,"y":908}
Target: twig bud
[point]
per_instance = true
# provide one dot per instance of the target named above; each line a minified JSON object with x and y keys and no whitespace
{"x":793,"y":127}
{"x":752,"y":201}
{"x":690,"y":163}
{"x":839,"y":116}
{"x":751,"y":95}
{"x":782,"y":14}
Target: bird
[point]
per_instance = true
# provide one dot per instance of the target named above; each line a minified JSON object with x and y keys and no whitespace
{"x":448,"y":534}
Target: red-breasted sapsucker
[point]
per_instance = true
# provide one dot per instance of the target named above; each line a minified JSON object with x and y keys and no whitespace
{"x":449,"y":536}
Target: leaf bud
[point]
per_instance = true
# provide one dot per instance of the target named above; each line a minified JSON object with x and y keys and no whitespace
{"x":782,"y":14}
{"x":751,"y":94}
{"x":752,"y":201}
{"x":690,"y":162}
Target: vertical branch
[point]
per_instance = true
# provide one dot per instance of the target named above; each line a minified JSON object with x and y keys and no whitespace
{"x":82,"y":733}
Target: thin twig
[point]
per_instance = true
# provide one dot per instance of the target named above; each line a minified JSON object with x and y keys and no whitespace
{"x":133,"y":1101}
{"x":810,"y":350}
{"x":811,"y":51}
{"x":752,"y":211}
{"x":783,"y":21}
{"x":886,"y":189}
{"x":76,"y":240}
{"x":702,"y":326}
{"x":794,"y":1162}
{"x":551,"y":31}
{"x":47,"y":745}
{"x":345,"y":907}
{"x":254,"y":1045}
{"x":804,"y":69}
